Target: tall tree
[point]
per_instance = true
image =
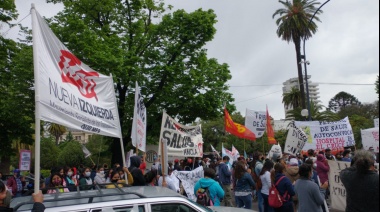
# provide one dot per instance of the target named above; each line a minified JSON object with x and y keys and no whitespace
{"x":292,"y":99}
{"x":293,"y":26}
{"x":56,"y":130}
{"x":342,"y":100}
{"x":135,"y":41}
{"x":317,"y":114}
{"x":8,"y":11}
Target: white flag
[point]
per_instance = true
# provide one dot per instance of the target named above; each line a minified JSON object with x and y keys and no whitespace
{"x":68,"y":92}
{"x":139,"y":122}
{"x":86,"y":152}
{"x":235,"y":153}
{"x":256,"y":122}
{"x":214,"y":150}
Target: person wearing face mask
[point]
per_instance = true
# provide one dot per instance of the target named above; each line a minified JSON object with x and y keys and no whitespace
{"x":85,"y":181}
{"x":69,"y":180}
{"x":100,"y":177}
{"x":16,"y":183}
{"x":311,"y":197}
{"x":56,"y":184}
{"x":115,"y":179}
{"x":347,"y":156}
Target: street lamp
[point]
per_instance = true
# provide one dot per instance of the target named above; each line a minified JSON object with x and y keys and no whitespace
{"x":305,"y":63}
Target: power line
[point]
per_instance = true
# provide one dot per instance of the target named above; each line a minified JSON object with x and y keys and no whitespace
{"x":13,"y":25}
{"x":321,"y":83}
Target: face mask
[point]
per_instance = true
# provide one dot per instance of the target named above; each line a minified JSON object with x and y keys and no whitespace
{"x":69,"y":174}
{"x":314,"y":165}
{"x":208,"y":163}
{"x":101,"y":172}
{"x":57,"y":182}
{"x":115,"y":181}
{"x":199,"y":161}
{"x":88,"y":174}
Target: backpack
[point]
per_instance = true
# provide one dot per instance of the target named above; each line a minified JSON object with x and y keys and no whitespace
{"x":204,"y":197}
{"x":259,"y":184}
{"x":275,"y":200}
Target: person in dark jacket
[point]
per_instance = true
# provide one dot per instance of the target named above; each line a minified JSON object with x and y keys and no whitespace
{"x":362,"y":183}
{"x":16,"y":183}
{"x":244,"y":186}
{"x":284,"y":187}
{"x":6,"y":196}
{"x":225,"y":179}
{"x":138,"y":177}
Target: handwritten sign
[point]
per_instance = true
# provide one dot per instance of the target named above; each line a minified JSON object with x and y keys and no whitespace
{"x":337,"y":189}
{"x":256,"y":122}
{"x":295,"y":141}
{"x":370,"y":138}
{"x":189,"y":179}
{"x":25,"y":160}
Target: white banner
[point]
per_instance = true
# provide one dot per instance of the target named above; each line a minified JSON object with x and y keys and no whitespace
{"x":25,"y":160}
{"x":181,"y":140}
{"x":295,"y":141}
{"x":337,"y":190}
{"x":370,"y":138}
{"x":256,"y":122}
{"x":189,"y":179}
{"x":376,"y":122}
{"x":69,"y":92}
{"x":323,"y":135}
{"x":138,"y":135}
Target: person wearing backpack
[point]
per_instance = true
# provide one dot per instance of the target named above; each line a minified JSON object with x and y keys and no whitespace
{"x":284,"y":187}
{"x":243,"y":186}
{"x":210,"y":186}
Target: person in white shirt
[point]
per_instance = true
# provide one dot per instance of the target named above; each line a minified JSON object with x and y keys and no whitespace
{"x":171,"y":182}
{"x":266,"y":181}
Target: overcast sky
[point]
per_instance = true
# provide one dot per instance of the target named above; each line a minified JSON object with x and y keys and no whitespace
{"x":344,"y":50}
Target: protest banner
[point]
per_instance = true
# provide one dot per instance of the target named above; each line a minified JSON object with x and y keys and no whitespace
{"x":256,"y":122}
{"x":376,"y":122}
{"x":25,"y":160}
{"x":189,"y":179}
{"x":370,"y":138}
{"x":128,"y":157}
{"x":295,"y":141}
{"x":138,"y":134}
{"x":275,"y":150}
{"x":181,"y":140}
{"x":323,"y":135}
{"x":337,"y":189}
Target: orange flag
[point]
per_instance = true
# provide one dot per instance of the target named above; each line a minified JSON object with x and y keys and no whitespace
{"x":237,"y":129}
{"x":270,"y":132}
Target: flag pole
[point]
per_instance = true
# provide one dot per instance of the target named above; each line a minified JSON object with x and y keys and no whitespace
{"x":37,"y":142}
{"x":163,"y":163}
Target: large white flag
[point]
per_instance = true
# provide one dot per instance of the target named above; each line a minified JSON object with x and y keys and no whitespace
{"x":68,"y":92}
{"x":256,"y":122}
{"x":235,"y":153}
{"x":185,"y":141}
{"x":86,"y":152}
{"x":139,"y":122}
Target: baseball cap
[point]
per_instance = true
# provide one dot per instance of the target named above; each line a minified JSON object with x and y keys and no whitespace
{"x":293,"y":162}
{"x":176,"y":161}
{"x":16,"y":171}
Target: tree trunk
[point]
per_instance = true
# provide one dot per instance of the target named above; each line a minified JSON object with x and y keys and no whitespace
{"x":5,"y":163}
{"x":297,"y":43}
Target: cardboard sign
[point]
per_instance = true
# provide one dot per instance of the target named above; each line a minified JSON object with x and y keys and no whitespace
{"x":25,"y":160}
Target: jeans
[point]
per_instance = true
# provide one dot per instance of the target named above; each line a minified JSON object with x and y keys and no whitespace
{"x":267,"y":208}
{"x":260,"y":200}
{"x":244,"y":201}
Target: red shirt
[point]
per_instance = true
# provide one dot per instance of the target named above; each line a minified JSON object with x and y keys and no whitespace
{"x":143,"y":167}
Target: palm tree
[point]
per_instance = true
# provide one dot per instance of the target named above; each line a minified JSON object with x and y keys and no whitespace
{"x":316,"y":114}
{"x":56,"y":130}
{"x":293,"y":25}
{"x":292,"y":98}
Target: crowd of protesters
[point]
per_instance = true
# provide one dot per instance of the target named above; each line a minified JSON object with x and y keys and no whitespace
{"x":301,"y":180}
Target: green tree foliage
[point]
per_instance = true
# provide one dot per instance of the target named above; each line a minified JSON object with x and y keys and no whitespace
{"x":8,"y":11}
{"x":16,"y":97}
{"x":358,"y":123}
{"x":317,"y":114}
{"x":72,"y":155}
{"x":293,"y":26}
{"x":49,"y":153}
{"x":99,"y":148}
{"x":56,"y":130}
{"x":342,"y":100}
{"x":140,"y":41}
{"x":292,"y":98}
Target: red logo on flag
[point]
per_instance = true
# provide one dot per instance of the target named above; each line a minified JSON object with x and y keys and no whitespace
{"x":72,"y":72}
